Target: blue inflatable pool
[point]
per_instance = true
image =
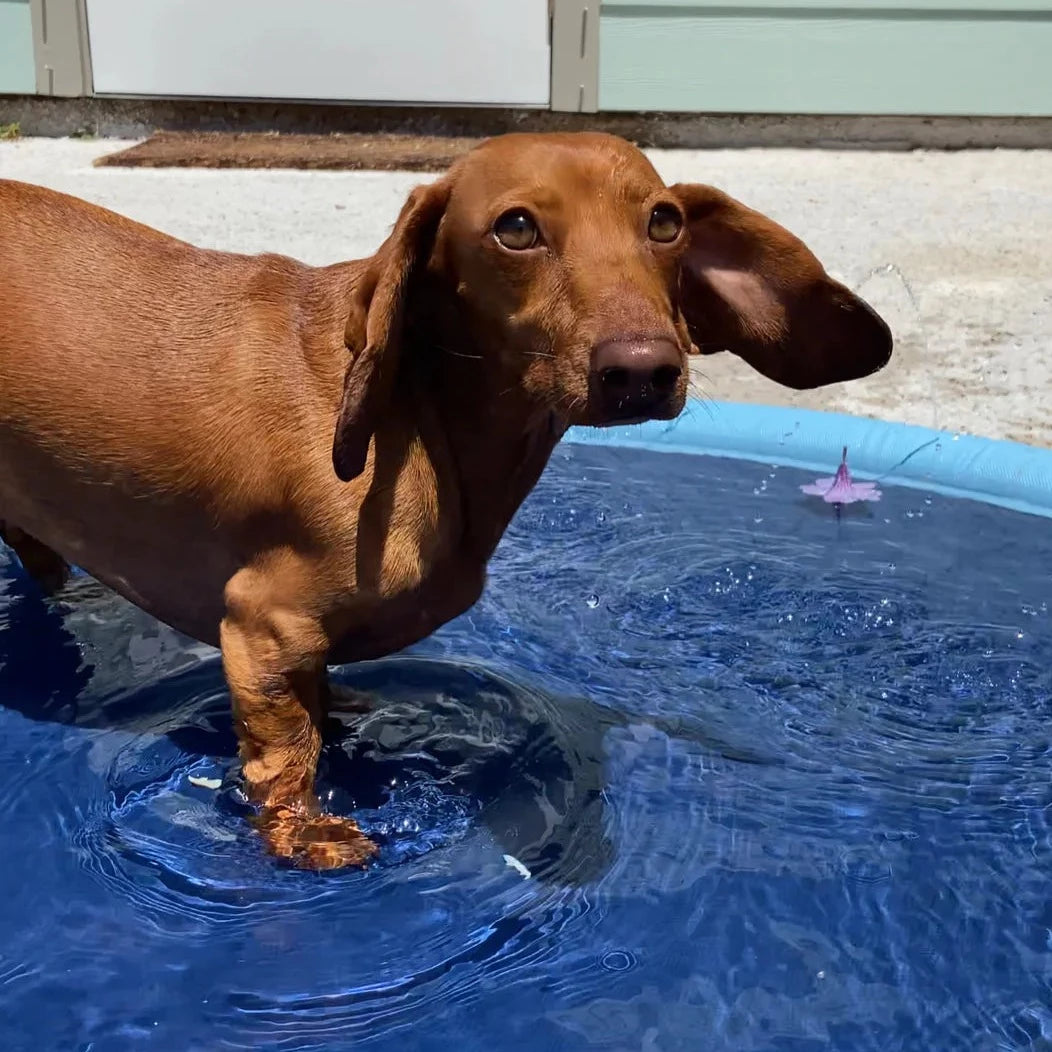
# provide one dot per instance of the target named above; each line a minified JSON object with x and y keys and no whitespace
{"x":707,"y":768}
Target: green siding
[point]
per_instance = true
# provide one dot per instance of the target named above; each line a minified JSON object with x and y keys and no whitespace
{"x":17,"y":76}
{"x":925,"y":57}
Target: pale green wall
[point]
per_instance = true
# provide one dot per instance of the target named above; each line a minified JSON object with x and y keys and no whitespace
{"x":972,"y":57}
{"x":16,"y":48}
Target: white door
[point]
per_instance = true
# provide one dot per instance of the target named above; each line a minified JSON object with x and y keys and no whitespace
{"x":443,"y":51}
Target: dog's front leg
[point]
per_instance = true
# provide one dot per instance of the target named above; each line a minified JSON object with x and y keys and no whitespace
{"x":274,"y":659}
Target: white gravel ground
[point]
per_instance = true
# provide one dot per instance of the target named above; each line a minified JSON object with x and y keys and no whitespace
{"x":955,"y":249}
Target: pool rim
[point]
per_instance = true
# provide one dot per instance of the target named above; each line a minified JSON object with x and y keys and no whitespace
{"x":994,"y":471}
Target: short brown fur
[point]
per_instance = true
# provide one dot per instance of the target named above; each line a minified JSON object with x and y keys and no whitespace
{"x":306,"y":465}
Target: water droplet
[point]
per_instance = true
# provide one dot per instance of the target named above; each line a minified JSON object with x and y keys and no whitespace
{"x":617,"y":961}
{"x":592,"y":601}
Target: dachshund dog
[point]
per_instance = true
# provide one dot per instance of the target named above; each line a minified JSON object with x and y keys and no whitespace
{"x":308,"y":466}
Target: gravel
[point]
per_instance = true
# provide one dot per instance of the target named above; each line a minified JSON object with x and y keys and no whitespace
{"x":954,"y":249}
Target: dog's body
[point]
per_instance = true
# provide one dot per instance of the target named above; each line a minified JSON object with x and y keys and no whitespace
{"x":134,"y":464}
{"x":167,"y":414}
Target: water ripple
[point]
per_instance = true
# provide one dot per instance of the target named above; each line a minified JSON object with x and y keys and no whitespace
{"x":775,"y":781}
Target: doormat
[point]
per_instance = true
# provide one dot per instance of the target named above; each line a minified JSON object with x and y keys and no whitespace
{"x":338,"y":152}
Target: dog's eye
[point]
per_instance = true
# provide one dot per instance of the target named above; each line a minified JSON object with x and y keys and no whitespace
{"x":665,"y":224}
{"x":516,"y":230}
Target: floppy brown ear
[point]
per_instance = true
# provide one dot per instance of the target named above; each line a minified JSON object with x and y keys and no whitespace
{"x":749,"y":286}
{"x":374,"y":328}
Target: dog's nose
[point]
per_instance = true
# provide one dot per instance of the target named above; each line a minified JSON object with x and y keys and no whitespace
{"x":634,"y":378}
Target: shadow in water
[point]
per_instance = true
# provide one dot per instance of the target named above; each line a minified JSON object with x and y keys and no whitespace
{"x":443,"y":737}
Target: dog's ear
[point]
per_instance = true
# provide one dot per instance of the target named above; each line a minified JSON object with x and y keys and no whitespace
{"x":374,"y":327}
{"x":749,"y":286}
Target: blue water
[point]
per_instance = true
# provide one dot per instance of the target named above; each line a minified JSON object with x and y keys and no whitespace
{"x":783,"y":783}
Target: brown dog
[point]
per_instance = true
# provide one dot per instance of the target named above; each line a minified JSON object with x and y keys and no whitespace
{"x":308,"y":466}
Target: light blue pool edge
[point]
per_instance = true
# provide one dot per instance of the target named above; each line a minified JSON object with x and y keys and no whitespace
{"x":1009,"y":474}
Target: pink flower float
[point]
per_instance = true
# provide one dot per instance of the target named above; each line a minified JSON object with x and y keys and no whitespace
{"x":840,"y":489}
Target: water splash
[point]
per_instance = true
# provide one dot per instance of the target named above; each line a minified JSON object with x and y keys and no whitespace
{"x":894,"y":271}
{"x":891,"y":292}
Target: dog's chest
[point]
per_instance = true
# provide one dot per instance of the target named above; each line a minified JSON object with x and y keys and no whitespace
{"x":382,"y":625}
{"x":415,"y":569}
{"x":427,"y":548}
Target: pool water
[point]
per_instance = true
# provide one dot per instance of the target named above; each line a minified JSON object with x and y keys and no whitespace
{"x":781,"y":782}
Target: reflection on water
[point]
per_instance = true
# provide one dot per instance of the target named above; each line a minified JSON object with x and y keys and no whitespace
{"x":780,"y":783}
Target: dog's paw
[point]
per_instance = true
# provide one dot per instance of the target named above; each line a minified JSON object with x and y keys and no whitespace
{"x":315,"y":841}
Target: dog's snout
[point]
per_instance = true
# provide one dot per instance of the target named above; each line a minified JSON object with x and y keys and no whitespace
{"x":633,"y":378}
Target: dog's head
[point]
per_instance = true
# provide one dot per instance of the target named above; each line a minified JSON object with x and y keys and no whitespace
{"x":577,"y":277}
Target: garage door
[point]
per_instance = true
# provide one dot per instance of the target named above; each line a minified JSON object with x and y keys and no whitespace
{"x":441,"y":51}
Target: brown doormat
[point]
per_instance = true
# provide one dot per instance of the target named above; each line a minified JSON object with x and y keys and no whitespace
{"x":355,"y":152}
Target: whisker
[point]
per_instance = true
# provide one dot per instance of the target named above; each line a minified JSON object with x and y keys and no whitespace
{"x":571,"y":402}
{"x":460,"y":354}
{"x":455,"y":354}
{"x":695,"y":388}
{"x":708,"y":405}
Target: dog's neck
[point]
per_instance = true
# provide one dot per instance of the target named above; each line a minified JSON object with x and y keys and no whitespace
{"x":485,"y":436}
{"x":498,"y":439}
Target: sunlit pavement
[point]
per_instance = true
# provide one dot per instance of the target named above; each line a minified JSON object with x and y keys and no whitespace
{"x":952,"y":248}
